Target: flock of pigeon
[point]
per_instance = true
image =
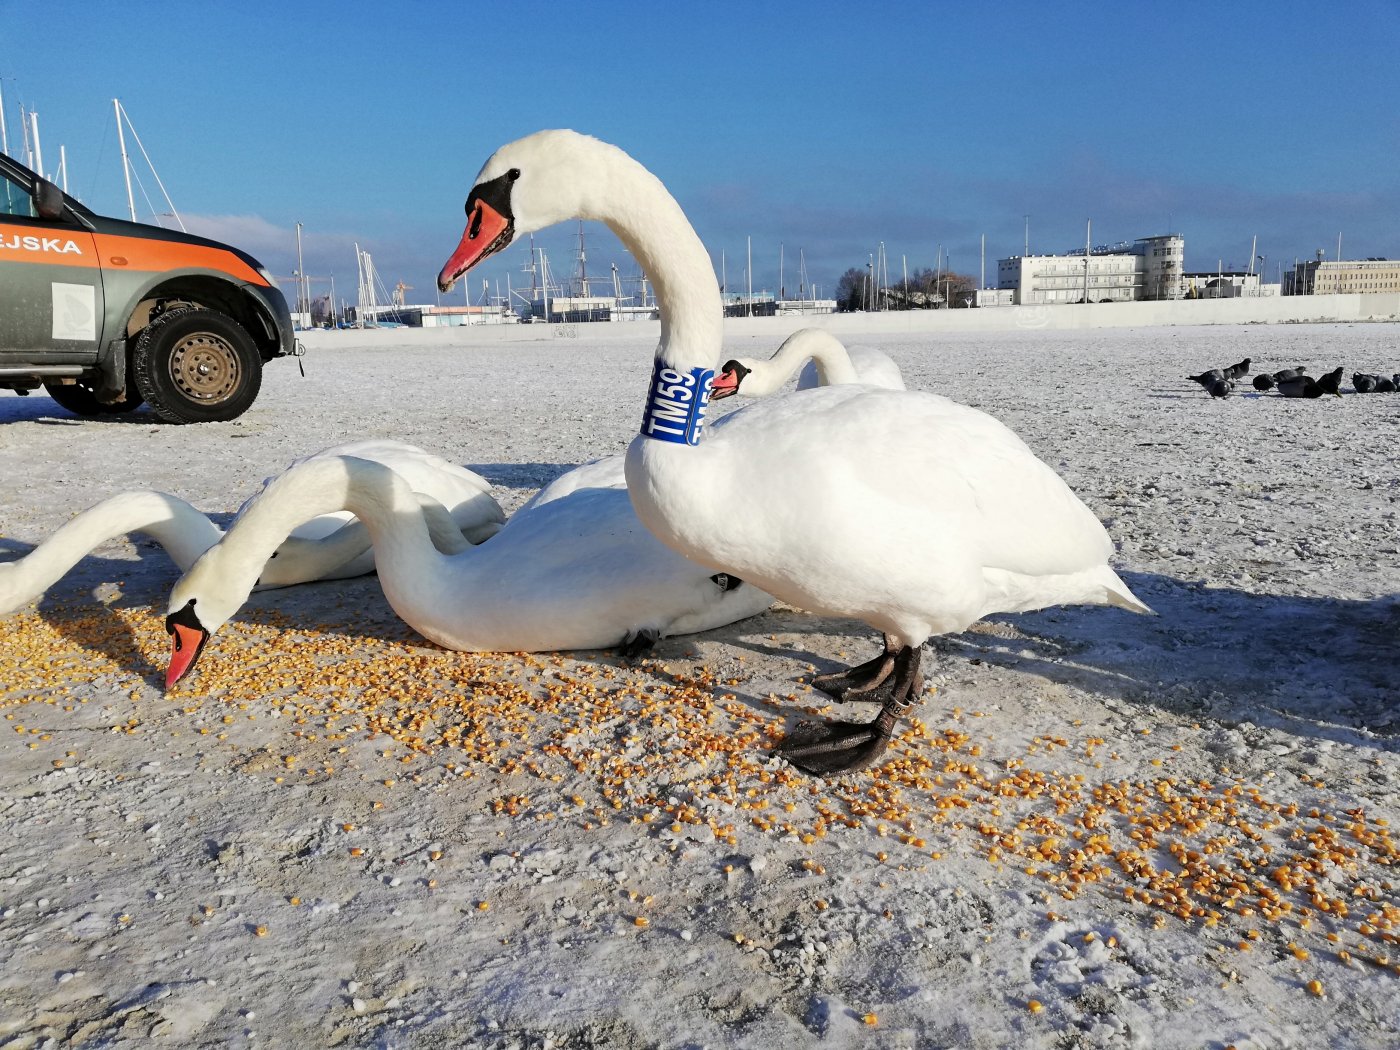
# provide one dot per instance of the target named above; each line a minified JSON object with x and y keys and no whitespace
{"x":1294,"y":382}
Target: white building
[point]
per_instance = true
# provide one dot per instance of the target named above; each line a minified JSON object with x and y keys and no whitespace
{"x":1149,"y":268}
{"x":1357,"y":275}
{"x":996,"y":297}
{"x":456,"y":316}
{"x":806,"y":306}
{"x":1227,"y":284}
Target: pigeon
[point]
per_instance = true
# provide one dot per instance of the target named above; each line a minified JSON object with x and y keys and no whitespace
{"x":1290,"y":373}
{"x":1331,"y":383}
{"x":1363,"y":383}
{"x":1299,"y":386}
{"x":1207,"y":378}
{"x":1221,"y":387}
{"x":1307,"y":386}
{"x":1236,"y":371}
{"x":1387,"y":386}
{"x":1263,"y":381}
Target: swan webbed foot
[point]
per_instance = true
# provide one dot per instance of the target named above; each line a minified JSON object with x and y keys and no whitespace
{"x":638,"y":643}
{"x":867,"y":681}
{"x":835,"y":748}
{"x":842,"y":747}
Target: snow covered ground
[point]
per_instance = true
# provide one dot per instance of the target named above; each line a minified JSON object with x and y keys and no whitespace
{"x":1102,"y":829}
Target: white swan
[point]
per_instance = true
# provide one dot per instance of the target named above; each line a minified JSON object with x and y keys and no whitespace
{"x":823,"y":359}
{"x":324,"y":548}
{"x":903,"y":509}
{"x":578,"y":572}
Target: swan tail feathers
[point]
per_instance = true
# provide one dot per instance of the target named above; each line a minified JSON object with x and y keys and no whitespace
{"x":1119,"y":596}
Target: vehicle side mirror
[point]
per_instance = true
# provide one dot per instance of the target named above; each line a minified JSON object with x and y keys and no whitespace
{"x":48,"y":199}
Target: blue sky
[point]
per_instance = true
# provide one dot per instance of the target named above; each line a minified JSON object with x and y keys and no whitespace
{"x":825,"y":127}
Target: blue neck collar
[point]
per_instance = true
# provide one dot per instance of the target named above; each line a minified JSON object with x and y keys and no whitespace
{"x":676,"y":404}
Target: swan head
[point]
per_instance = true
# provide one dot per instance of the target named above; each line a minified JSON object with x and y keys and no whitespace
{"x":187,"y":637}
{"x":731,"y":376}
{"x":756,"y":378}
{"x":534,"y":182}
{"x":198,"y":608}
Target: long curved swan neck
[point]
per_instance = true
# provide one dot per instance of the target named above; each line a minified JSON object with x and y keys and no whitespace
{"x":373,"y":492}
{"x":646,"y":218}
{"x":313,"y":559}
{"x":649,"y":221}
{"x":184,"y":532}
{"x":825,"y":351}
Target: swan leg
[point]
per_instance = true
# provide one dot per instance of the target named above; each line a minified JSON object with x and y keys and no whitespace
{"x":841,"y":747}
{"x":861,"y":682}
{"x":637,"y":643}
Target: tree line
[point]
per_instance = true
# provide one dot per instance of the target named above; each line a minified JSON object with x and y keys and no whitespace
{"x":924,"y":289}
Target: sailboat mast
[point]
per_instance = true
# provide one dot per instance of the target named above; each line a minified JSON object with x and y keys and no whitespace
{"x":544,"y":282}
{"x":38,"y":150}
{"x":582,"y":264}
{"x":126,"y":164}
{"x":301,"y":275}
{"x":24,"y":130}
{"x":749,"y":271}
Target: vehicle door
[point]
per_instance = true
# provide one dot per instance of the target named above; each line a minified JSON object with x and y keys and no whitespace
{"x":51,"y":301}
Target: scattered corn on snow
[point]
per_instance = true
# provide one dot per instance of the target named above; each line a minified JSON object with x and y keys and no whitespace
{"x":1100,"y":829}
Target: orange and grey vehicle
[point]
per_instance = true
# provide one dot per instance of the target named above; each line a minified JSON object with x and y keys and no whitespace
{"x":107,"y":314}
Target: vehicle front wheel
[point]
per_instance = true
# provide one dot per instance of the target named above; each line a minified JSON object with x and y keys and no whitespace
{"x":81,"y":401}
{"x":196,"y":366}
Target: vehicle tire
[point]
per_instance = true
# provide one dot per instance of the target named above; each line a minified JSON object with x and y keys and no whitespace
{"x":196,"y":366}
{"x":81,"y":401}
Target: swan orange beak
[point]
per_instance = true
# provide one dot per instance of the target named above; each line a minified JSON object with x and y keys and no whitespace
{"x":185,"y":646}
{"x":187,"y":638}
{"x":487,"y":232}
{"x":725,"y":384}
{"x":731,"y":374}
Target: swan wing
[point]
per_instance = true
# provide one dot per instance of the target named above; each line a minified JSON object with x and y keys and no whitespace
{"x":922,"y":459}
{"x":605,"y":473}
{"x":580,"y":572}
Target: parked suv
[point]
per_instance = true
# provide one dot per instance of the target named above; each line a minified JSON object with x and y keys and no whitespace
{"x":106,"y":314}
